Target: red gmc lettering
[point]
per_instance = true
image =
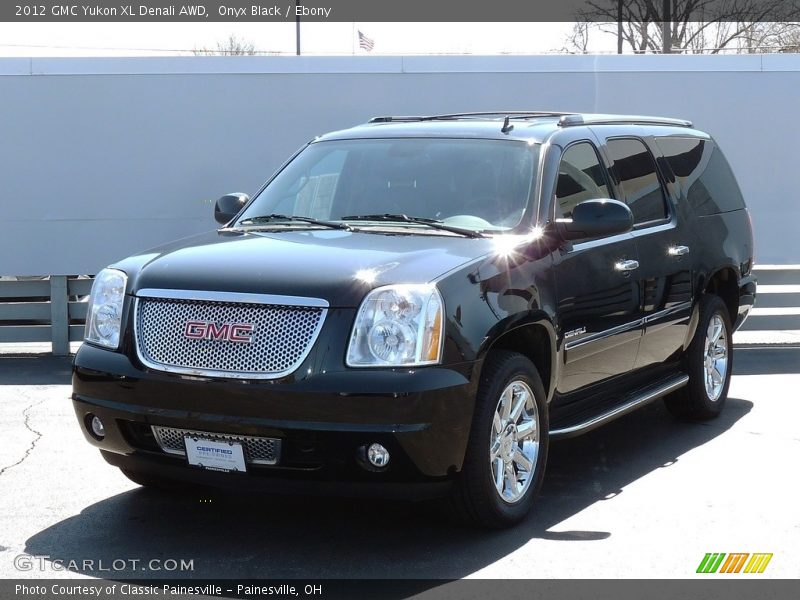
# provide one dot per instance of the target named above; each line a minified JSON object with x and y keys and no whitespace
{"x":195,"y":330}
{"x":215,"y":332}
{"x":241,"y":333}
{"x":229,"y":332}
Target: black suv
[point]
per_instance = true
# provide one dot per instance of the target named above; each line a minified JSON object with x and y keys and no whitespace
{"x":417,"y":306}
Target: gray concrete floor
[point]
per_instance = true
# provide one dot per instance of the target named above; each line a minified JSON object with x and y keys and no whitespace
{"x":646,"y":496}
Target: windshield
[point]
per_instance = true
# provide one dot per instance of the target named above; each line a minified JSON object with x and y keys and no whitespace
{"x":480,"y":185}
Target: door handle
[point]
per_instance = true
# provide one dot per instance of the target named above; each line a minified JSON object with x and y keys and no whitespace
{"x":678,"y":250}
{"x":626,"y":265}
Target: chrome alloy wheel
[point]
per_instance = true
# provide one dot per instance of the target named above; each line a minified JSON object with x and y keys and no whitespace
{"x":514,"y":442}
{"x":716,"y":357}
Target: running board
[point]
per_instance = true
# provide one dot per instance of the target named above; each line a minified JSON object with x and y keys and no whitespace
{"x":637,"y":401}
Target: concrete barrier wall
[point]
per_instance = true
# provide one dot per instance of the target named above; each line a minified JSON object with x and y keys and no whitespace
{"x":100,"y":158}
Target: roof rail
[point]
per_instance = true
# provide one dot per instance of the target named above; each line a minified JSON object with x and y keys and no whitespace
{"x":390,"y":119}
{"x":592,"y":119}
{"x":499,"y":114}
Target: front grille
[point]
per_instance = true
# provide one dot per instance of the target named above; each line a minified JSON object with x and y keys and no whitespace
{"x":257,"y":450}
{"x":282,"y":335}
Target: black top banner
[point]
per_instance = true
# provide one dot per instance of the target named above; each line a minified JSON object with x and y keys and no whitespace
{"x":401,"y":10}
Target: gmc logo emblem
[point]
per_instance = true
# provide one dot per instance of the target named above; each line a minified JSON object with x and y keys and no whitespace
{"x":226,"y":332}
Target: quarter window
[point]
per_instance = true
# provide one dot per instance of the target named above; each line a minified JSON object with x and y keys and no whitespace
{"x":639,"y":183}
{"x":580,"y":177}
{"x":703,"y":173}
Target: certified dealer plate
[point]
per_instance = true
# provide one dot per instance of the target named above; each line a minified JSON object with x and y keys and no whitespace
{"x":216,"y":456}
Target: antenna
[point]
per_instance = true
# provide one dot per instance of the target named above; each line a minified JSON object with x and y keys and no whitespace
{"x":507,"y":126}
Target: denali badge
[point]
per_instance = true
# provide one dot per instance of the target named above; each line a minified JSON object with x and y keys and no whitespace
{"x":228,"y":332}
{"x":574,"y":332}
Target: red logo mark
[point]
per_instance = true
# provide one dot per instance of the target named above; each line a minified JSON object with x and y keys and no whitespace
{"x":227,"y":332}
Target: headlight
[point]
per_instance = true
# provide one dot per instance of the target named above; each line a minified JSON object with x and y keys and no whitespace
{"x":398,"y":325}
{"x":104,"y":315}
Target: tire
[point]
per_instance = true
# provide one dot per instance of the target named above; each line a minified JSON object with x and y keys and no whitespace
{"x":476,"y":498}
{"x":703,"y":398}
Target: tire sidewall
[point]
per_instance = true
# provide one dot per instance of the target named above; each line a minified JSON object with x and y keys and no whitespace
{"x":711,"y":305}
{"x":514,"y":368}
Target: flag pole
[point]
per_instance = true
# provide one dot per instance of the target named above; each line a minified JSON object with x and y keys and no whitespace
{"x":297,"y":26}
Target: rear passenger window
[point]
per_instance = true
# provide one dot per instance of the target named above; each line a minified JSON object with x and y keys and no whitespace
{"x":639,"y":182}
{"x":703,"y":174}
{"x":580,"y":177}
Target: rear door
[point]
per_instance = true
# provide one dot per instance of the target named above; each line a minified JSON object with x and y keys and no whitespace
{"x":598,"y":298}
{"x":663,"y":246}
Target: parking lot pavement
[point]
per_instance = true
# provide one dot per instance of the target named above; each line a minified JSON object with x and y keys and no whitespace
{"x":646,"y":496}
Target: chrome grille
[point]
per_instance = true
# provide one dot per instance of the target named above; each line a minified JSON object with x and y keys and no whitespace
{"x":257,"y":450}
{"x":282,"y":334}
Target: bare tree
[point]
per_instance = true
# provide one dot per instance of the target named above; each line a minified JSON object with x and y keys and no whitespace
{"x":741,"y":37}
{"x":577,"y":41}
{"x":233,"y":46}
{"x":791,"y":43}
{"x":772,"y":37}
{"x":693,"y":26}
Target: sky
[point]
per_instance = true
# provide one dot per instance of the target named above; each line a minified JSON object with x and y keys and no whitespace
{"x":159,"y":39}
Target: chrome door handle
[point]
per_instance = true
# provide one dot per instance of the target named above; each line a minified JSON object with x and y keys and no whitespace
{"x":626,"y":265}
{"x":678,"y":250}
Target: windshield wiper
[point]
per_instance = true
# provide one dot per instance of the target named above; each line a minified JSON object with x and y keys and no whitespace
{"x":400,"y":218}
{"x":278,"y":217}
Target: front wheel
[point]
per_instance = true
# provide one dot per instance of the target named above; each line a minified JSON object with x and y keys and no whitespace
{"x":505,"y":460}
{"x":709,"y":362}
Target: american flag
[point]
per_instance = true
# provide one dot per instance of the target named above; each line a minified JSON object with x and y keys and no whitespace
{"x":364,"y":42}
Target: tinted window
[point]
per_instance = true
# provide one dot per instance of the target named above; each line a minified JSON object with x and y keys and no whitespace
{"x":477,"y":184}
{"x":580,"y":177}
{"x":639,"y":182}
{"x":703,"y":174}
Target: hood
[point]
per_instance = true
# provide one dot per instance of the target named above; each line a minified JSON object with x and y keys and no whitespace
{"x":337,"y":266}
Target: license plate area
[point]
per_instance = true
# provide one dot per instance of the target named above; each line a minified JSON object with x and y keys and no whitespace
{"x":258,"y":450}
{"x":215,"y":455}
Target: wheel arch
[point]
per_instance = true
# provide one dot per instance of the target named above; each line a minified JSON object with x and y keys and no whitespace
{"x":534,"y":337}
{"x":724,"y":282}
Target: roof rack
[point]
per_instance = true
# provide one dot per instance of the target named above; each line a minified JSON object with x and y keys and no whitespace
{"x":592,"y":119}
{"x":499,"y":114}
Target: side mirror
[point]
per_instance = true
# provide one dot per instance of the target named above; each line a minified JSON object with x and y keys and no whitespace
{"x":229,"y":206}
{"x":596,"y":218}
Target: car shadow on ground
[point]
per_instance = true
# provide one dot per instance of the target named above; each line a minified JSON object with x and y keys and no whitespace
{"x":231,"y":536}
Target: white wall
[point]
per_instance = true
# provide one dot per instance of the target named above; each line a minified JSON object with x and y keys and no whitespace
{"x":100,"y":158}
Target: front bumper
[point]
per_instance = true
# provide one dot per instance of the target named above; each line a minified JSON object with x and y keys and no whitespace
{"x":422,"y":416}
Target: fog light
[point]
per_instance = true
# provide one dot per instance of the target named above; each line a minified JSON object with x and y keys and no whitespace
{"x":377,"y":455}
{"x":98,"y":428}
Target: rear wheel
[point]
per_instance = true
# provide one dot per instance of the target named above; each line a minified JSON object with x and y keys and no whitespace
{"x":504,"y":465}
{"x":710,"y":362}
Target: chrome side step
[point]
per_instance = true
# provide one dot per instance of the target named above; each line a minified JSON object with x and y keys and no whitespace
{"x":623,"y":409}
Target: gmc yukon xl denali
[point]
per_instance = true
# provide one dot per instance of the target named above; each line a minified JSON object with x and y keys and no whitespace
{"x":418,"y":305}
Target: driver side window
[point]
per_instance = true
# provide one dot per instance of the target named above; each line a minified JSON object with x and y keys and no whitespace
{"x":580,"y":177}
{"x":312,"y":193}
